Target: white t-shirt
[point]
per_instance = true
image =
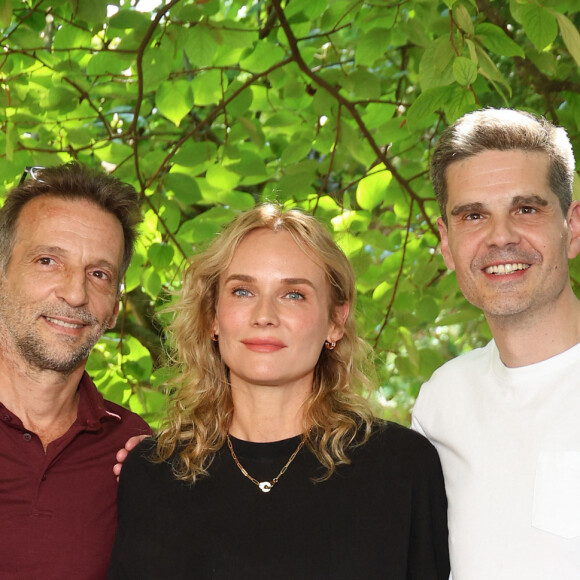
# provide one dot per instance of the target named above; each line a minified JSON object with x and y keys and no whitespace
{"x":509,"y":443}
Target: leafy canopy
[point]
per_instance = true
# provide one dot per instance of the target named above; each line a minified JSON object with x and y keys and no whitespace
{"x":210,"y":106}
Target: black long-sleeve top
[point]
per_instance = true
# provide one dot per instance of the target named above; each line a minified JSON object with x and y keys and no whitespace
{"x":382,"y":516}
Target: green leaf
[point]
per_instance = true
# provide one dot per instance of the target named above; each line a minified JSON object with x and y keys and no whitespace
{"x":496,"y":40}
{"x":570,"y":35}
{"x":193,"y":154}
{"x":464,"y":71}
{"x":489,"y":70}
{"x":435,"y":68}
{"x":71,"y":37}
{"x":262,"y":58}
{"x":107,"y":63}
{"x":184,"y":187}
{"x":460,"y":101}
{"x":11,"y":141}
{"x":221,"y":178}
{"x":371,"y":190}
{"x":427,"y":102}
{"x":249,"y":164}
{"x":174,"y":100}
{"x":296,"y":151}
{"x":371,"y":47}
{"x":126,"y":19}
{"x":463,"y":18}
{"x":540,"y":26}
{"x":207,"y":88}
{"x":151,"y":283}
{"x":200,"y":45}
{"x":160,"y":255}
{"x":5,"y":13}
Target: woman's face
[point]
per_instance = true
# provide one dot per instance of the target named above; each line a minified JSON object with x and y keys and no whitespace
{"x":272,"y":314}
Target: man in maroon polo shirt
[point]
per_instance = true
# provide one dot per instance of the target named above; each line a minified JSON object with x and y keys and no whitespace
{"x":66,"y":240}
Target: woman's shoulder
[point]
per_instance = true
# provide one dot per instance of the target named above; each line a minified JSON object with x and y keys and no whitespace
{"x":398,"y":443}
{"x":143,"y":461}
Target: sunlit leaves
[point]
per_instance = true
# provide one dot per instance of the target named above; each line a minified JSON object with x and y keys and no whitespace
{"x":213,"y":107}
{"x":570,"y":35}
{"x":495,"y":39}
{"x":463,"y":19}
{"x":369,"y":47}
{"x":464,"y":71}
{"x":539,"y":24}
{"x":264,"y":56}
{"x":371,"y":190}
{"x":5,"y":13}
{"x":174,"y":100}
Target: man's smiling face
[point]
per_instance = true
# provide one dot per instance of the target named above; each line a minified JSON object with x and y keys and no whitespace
{"x":60,"y":289}
{"x":506,"y":236}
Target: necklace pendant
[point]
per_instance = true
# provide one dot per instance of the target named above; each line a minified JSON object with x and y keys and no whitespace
{"x":265,"y":486}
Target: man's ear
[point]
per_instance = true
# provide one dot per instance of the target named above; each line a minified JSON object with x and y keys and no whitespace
{"x":445,"y":251}
{"x":113,"y":318}
{"x":573,"y":221}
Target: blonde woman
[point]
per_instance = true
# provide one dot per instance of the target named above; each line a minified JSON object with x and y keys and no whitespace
{"x":269,"y":464}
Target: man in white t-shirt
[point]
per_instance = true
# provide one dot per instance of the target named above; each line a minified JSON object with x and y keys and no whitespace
{"x":506,"y":418}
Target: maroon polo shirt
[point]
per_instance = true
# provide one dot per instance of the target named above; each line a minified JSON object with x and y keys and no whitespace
{"x":58,"y":509}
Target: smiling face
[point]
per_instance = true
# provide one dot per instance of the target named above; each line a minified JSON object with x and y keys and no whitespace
{"x":506,"y":237}
{"x":60,"y":290}
{"x":272,"y":314}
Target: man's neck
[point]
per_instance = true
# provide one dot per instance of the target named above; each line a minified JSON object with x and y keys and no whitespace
{"x":45,"y":401}
{"x":526,"y":339}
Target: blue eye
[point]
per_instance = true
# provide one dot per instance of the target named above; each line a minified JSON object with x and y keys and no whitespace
{"x":295,"y":295}
{"x":241,"y":292}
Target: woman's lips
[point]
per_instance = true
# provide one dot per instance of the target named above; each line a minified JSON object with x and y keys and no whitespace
{"x":263,"y":344}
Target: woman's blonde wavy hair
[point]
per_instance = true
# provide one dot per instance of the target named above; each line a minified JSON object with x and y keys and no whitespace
{"x":336,"y":417}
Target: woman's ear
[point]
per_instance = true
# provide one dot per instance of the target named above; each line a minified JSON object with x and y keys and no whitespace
{"x":336,"y":330}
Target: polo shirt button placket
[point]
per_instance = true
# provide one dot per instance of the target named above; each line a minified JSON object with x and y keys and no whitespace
{"x":27,"y":437}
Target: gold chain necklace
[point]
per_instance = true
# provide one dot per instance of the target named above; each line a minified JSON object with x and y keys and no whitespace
{"x":265,"y":486}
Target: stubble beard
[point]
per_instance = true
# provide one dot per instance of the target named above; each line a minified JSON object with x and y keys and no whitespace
{"x":510,"y":303}
{"x":38,"y":354}
{"x":19,"y":336}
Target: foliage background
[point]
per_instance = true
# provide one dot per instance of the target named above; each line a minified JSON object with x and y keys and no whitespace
{"x":210,"y":106}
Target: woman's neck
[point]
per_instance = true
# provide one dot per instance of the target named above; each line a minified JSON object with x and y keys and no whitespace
{"x":264,"y":414}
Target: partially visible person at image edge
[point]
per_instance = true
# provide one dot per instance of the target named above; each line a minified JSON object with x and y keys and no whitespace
{"x":66,"y":240}
{"x":505,"y":418}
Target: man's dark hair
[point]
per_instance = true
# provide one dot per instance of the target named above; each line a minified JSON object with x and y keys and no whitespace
{"x":75,"y":182}
{"x":504,"y":130}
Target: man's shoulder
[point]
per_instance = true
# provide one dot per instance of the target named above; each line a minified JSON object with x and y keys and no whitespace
{"x":452,"y":385}
{"x":458,"y":367}
{"x":95,"y":411}
{"x":126,"y":417}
